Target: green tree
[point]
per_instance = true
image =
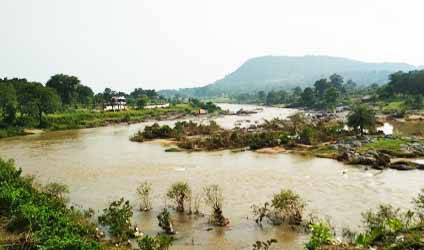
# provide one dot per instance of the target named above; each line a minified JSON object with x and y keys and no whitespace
{"x":321,"y":86}
{"x":65,"y":86}
{"x":8,"y":102}
{"x":36,"y":100}
{"x":160,"y":242}
{"x":337,"y":81}
{"x":331,"y":97}
{"x":308,"y":97}
{"x":85,"y":95}
{"x":360,"y":118}
{"x":142,"y":102}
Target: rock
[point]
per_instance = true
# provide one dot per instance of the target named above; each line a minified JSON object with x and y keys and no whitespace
{"x":402,"y":167}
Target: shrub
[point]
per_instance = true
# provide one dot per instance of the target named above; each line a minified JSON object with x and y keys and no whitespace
{"x":58,"y":191}
{"x":214,"y":198}
{"x":321,"y":235}
{"x":264,"y":245}
{"x":44,"y":219}
{"x":179,"y":192}
{"x":117,"y":217}
{"x":165,"y":221}
{"x":160,"y":242}
{"x":287,"y":207}
{"x":143,"y":192}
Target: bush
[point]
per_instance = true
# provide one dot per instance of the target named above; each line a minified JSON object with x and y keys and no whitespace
{"x":160,"y":242}
{"x":45,"y":220}
{"x":165,"y":222}
{"x":321,"y":235}
{"x":214,"y":198}
{"x":117,"y":217}
{"x":143,"y":192}
{"x":287,"y":207}
{"x":264,"y":245}
{"x":179,"y":192}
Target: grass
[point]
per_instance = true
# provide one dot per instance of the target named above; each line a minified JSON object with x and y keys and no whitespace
{"x":386,"y":144}
{"x":88,"y":119}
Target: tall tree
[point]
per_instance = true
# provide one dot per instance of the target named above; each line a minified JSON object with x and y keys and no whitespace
{"x":360,"y":118}
{"x":37,"y":100}
{"x":308,"y":97}
{"x":337,"y":81}
{"x":66,"y":87}
{"x":8,"y":102}
{"x":321,"y":86}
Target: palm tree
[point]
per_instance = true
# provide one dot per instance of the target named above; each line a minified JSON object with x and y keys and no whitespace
{"x":361,"y":117}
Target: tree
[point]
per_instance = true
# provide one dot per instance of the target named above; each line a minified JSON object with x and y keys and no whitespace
{"x":337,"y":81}
{"x":165,"y":222}
{"x":331,"y":96}
{"x":85,"y":95}
{"x":321,"y":86}
{"x":179,"y":192}
{"x":8,"y":102}
{"x":142,"y":102}
{"x":308,"y":97}
{"x":360,"y":118}
{"x":65,"y":86}
{"x":36,"y":100}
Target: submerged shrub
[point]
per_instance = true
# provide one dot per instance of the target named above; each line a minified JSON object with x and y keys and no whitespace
{"x":165,"y":221}
{"x":58,"y":191}
{"x":179,"y":192}
{"x":264,"y":245}
{"x":287,"y":207}
{"x":117,"y":218}
{"x":214,"y":198}
{"x":143,"y":192}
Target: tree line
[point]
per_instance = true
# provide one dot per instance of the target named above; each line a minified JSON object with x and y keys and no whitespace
{"x":24,"y":103}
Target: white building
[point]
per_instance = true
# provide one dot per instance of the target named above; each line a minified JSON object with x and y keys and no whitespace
{"x":117,"y":103}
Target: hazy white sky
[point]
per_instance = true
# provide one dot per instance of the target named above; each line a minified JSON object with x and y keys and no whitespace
{"x":169,"y":44}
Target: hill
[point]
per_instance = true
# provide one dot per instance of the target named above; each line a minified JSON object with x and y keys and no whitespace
{"x":286,"y":72}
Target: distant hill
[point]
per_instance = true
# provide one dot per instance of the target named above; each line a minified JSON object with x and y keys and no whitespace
{"x":286,"y":72}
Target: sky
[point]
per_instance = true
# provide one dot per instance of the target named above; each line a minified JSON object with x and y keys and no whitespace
{"x":160,"y":44}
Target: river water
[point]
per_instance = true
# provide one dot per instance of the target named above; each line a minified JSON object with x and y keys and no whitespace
{"x":101,"y":164}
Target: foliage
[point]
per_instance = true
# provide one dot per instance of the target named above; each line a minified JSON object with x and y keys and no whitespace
{"x":286,"y":207}
{"x":143,"y":191}
{"x":179,"y":192}
{"x":46,"y":221}
{"x":117,"y":217}
{"x":321,"y":235}
{"x":360,"y":118}
{"x":70,"y":90}
{"x":36,"y":100}
{"x":160,"y":242}
{"x":57,"y":191}
{"x":419,"y":205}
{"x":165,"y":221}
{"x":214,"y":198}
{"x":264,"y":245}
{"x":8,"y":102}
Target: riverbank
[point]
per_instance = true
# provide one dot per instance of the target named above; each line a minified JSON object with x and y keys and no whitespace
{"x":90,"y":119}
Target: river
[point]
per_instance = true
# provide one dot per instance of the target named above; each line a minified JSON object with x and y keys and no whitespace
{"x":101,"y":164}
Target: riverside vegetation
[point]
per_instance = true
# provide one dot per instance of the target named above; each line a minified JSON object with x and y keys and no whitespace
{"x":64,"y":103}
{"x":323,"y":135}
{"x":37,"y":217}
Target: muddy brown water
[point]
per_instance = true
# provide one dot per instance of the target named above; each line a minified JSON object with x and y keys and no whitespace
{"x":101,"y":165}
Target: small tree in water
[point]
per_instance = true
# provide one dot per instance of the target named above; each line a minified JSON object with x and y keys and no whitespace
{"x":58,"y":191}
{"x":179,"y":192}
{"x":214,"y":198}
{"x":264,"y":245}
{"x":117,"y":217}
{"x":286,"y":207}
{"x":143,"y":192}
{"x":165,"y":221}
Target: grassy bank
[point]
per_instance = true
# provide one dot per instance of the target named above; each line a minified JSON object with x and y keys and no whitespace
{"x":89,"y":119}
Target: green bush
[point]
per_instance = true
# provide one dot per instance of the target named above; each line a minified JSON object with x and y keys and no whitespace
{"x":117,"y":217}
{"x":46,"y":220}
{"x":179,"y":192}
{"x":321,"y":235}
{"x":160,"y":242}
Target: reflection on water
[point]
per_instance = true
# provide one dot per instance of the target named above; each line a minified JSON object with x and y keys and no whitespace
{"x":101,"y":164}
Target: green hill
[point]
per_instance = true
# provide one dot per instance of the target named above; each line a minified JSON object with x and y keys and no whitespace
{"x":286,"y":72}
